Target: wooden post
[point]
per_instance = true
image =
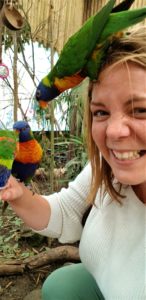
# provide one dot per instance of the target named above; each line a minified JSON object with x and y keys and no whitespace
{"x":15,"y":77}
{"x":52,"y":107}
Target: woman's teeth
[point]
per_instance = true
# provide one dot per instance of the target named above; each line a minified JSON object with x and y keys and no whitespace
{"x":127,"y":155}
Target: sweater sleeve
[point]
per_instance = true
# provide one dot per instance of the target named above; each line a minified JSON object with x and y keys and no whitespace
{"x":67,"y":209}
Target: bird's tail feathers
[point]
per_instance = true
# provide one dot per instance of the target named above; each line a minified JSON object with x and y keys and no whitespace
{"x":122,"y":20}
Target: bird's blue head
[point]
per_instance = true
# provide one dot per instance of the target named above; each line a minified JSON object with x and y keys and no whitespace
{"x":44,"y":94}
{"x":24,"y":130}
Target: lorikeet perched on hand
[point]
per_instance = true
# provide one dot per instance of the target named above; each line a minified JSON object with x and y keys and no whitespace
{"x":8,"y":144}
{"x":28,"y":155}
{"x":84,"y":52}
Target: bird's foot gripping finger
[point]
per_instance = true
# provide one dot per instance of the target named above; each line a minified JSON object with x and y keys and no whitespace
{"x":31,"y":189}
{"x":18,"y":180}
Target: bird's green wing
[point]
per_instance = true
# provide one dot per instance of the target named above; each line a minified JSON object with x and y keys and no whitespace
{"x":79,"y":46}
{"x":116,"y":23}
{"x":8,"y":144}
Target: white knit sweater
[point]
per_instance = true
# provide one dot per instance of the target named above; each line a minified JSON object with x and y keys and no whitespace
{"x":113,"y":241}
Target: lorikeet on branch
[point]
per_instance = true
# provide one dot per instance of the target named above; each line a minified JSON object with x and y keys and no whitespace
{"x":84,"y":52}
{"x":27,"y":156}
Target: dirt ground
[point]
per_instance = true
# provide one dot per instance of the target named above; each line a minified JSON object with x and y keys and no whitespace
{"x":17,"y":287}
{"x":19,"y":242}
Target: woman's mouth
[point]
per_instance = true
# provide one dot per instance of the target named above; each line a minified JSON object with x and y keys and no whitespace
{"x":128,"y":155}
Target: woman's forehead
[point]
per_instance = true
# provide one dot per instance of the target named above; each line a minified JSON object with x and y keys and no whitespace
{"x":119,"y":70}
{"x":122,"y":81}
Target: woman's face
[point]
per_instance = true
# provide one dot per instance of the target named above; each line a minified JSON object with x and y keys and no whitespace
{"x":118,"y":108}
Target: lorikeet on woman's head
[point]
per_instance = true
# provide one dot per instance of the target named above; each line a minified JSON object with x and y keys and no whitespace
{"x":84,"y":52}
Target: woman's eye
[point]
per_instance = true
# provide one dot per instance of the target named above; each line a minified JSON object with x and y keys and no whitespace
{"x":100,"y":113}
{"x":139,"y":112}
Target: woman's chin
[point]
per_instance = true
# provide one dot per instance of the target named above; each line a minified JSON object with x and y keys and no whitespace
{"x":129,"y":180}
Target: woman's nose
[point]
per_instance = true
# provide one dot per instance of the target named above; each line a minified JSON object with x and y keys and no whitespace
{"x":117,"y":128}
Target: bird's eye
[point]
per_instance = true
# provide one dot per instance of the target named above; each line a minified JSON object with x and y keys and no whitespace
{"x":38,"y":93}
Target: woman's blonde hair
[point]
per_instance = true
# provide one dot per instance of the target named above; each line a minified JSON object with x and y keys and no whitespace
{"x":131,"y":47}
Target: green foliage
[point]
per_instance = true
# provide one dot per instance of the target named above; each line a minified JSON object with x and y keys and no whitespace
{"x":16,"y":243}
{"x":9,"y":247}
{"x":72,"y":154}
{"x":78,"y":157}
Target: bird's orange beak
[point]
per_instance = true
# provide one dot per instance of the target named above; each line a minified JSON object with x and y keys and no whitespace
{"x":43,"y":104}
{"x":17,"y":131}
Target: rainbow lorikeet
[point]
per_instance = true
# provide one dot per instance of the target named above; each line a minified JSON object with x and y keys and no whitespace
{"x":8,"y":145}
{"x":27,"y":156}
{"x":84,"y":52}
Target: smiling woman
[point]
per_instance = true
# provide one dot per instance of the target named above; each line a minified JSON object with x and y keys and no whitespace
{"x":116,"y":117}
{"x":119,"y":121}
